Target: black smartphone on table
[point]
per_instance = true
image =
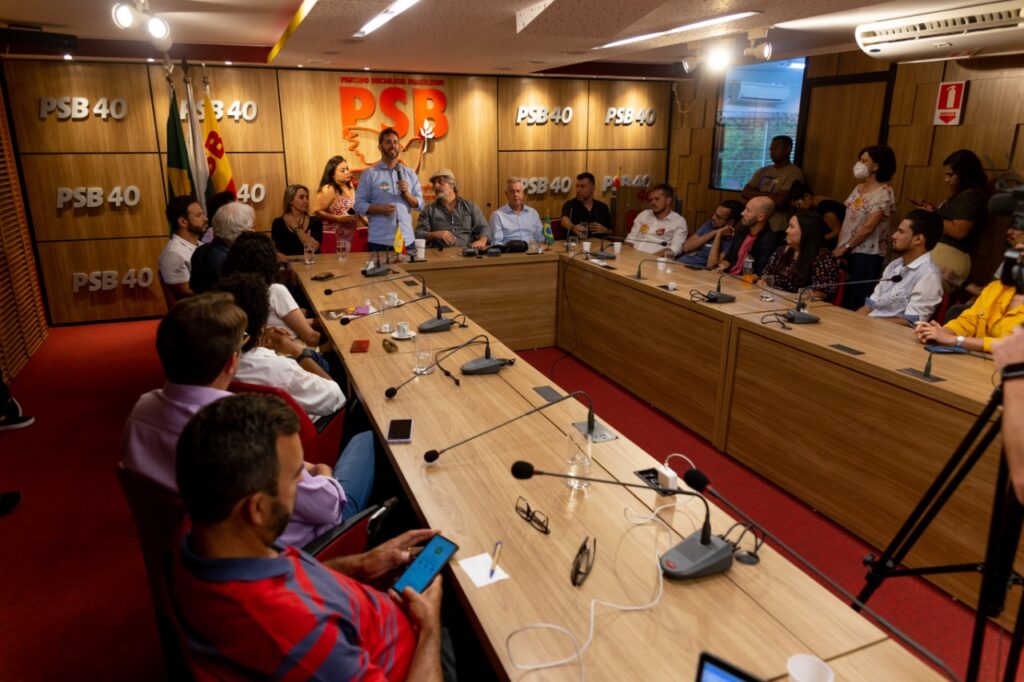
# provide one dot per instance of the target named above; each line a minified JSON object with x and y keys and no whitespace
{"x":425,"y":567}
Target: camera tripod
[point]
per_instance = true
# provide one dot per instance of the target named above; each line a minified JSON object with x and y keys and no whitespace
{"x":1001,"y":548}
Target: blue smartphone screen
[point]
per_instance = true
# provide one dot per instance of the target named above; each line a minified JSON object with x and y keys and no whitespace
{"x":427,"y":565}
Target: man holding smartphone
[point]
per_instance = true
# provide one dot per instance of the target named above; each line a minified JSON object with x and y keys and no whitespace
{"x":247,"y":608}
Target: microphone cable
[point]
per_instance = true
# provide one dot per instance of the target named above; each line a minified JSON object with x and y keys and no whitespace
{"x":776,"y":318}
{"x":579,"y":649}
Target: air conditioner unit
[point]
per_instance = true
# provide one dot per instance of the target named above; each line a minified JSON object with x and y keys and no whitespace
{"x":756,"y":94}
{"x":989,"y":29}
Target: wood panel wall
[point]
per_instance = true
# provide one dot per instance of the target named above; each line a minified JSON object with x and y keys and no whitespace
{"x":22,"y":319}
{"x":991,"y":127}
{"x":298,"y":127}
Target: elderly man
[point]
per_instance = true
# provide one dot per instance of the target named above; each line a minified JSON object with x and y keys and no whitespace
{"x":450,"y":220}
{"x":248,"y":607}
{"x":586,"y":216}
{"x":753,"y":238}
{"x":188,"y":223}
{"x":229,"y":221}
{"x":515,"y":221}
{"x":659,"y":228}
{"x":387,"y":194}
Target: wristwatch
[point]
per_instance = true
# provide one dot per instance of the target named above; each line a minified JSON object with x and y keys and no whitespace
{"x":1013,"y":371}
{"x":960,"y":341}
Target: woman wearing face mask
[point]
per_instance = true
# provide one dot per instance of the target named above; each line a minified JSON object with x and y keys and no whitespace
{"x":866,"y":225}
{"x":336,"y":198}
{"x":963,"y":214}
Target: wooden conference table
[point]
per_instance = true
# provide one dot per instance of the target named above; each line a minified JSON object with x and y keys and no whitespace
{"x":754,"y":616}
{"x":821,"y":410}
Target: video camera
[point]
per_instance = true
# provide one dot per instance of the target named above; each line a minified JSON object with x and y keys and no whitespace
{"x":1011,"y":203}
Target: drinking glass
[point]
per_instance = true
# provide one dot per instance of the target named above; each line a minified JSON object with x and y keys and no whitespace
{"x":768,"y":282}
{"x":344,"y":248}
{"x":423,"y":361}
{"x":308,"y":255}
{"x":578,"y":459}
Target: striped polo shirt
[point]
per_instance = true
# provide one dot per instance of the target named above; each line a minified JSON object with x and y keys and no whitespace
{"x":285,"y":618}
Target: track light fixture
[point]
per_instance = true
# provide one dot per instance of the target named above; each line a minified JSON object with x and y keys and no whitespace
{"x":762,"y":51}
{"x":718,"y":58}
{"x":690,"y":63}
{"x":136,"y":13}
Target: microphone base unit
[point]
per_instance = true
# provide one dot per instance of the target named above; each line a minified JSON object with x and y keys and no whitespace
{"x":719,"y":297}
{"x":690,"y":559}
{"x":435,"y":325}
{"x":602,"y":255}
{"x":376,"y":271}
{"x":918,"y":374}
{"x":484,"y":366}
{"x":801,"y":317}
{"x":601,"y":433}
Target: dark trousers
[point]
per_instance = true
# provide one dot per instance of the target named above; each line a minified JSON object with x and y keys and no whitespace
{"x":860,"y":266}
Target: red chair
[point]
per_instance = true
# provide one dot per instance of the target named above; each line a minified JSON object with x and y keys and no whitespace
{"x":329,"y":242}
{"x":320,"y":444}
{"x":158,"y":513}
{"x":361,"y":240}
{"x":940,"y":312}
{"x":838,"y":300}
{"x":352,"y":536}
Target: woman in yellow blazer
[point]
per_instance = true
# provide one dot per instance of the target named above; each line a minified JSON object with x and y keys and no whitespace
{"x":997,"y":312}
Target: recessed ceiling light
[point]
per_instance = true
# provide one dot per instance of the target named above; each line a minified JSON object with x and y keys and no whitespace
{"x":392,"y":11}
{"x":714,"y":21}
{"x":150,"y":60}
{"x":67,"y":57}
{"x":227,"y":63}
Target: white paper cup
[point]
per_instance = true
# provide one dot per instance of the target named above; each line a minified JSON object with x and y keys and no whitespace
{"x":421,"y":252}
{"x":586,"y":247}
{"x":617,"y":248}
{"x":662,"y":264}
{"x":808,"y":668}
{"x":420,"y":244}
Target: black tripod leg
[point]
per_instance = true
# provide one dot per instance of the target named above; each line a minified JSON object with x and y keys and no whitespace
{"x":1013,"y":657}
{"x":933,"y":499}
{"x":1003,"y":538}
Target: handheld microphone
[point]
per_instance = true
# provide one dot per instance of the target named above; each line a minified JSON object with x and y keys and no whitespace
{"x":421,"y":278}
{"x":799,"y":314}
{"x":698,"y":555}
{"x":432,"y":455}
{"x":486,"y":364}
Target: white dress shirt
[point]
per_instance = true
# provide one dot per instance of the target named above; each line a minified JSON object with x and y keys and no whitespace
{"x":507,"y":225}
{"x":319,"y":397}
{"x":914,"y":297}
{"x":649,"y":231}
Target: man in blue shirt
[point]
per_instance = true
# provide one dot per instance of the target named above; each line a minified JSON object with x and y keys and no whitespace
{"x":697,"y":248}
{"x":515,"y":221}
{"x":386,"y":195}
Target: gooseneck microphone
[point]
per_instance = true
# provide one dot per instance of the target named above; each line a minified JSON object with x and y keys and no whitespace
{"x":601,"y":254}
{"x":719,"y":296}
{"x":392,"y":391}
{"x":799,"y":314}
{"x":423,"y":291}
{"x":376,"y":270}
{"x":432,"y":455}
{"x":640,"y":265}
{"x":486,"y":364}
{"x":700,"y":554}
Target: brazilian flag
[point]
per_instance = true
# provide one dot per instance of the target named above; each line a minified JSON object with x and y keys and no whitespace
{"x":549,"y":236}
{"x":179,"y":175}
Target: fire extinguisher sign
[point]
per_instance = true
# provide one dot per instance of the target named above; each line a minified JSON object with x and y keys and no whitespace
{"x":950,"y":103}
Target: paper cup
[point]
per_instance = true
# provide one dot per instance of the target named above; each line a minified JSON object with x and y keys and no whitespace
{"x":808,"y":668}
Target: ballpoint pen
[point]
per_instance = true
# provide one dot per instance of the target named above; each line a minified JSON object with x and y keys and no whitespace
{"x":494,"y":559}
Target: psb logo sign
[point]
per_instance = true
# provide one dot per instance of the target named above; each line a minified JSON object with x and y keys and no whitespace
{"x":364,"y":114}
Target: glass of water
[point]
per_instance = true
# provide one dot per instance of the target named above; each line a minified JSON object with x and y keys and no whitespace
{"x":571,"y":242}
{"x":578,"y":459}
{"x":423,"y":360}
{"x":768,"y":282}
{"x":308,"y":255}
{"x":385,"y":315}
{"x":344,"y":248}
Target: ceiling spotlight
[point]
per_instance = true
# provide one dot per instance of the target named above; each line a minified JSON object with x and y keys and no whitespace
{"x":158,"y":28}
{"x":690,"y":63}
{"x":718,"y":58}
{"x":126,"y":16}
{"x":762,"y":51}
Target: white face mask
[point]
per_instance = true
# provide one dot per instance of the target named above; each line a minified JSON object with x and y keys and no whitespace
{"x":860,"y":171}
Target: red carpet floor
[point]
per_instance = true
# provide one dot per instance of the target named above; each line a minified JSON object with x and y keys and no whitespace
{"x":74,"y":603}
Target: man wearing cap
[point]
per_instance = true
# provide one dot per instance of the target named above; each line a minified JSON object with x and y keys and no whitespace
{"x":450,"y":220}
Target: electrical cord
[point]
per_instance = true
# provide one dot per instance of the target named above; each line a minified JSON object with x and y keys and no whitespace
{"x":697,"y":296}
{"x":676,"y":454}
{"x":579,"y":649}
{"x":776,"y":318}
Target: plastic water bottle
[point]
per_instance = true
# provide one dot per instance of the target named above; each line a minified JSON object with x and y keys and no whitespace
{"x":748,"y":265}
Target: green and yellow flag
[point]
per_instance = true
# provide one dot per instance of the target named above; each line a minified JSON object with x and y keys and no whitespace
{"x":179,"y":175}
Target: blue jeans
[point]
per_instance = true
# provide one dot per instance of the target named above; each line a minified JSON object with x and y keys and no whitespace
{"x":380,"y":247}
{"x":354,"y":471}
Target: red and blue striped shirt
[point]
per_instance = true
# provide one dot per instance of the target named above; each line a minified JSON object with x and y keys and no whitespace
{"x":285,"y":618}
